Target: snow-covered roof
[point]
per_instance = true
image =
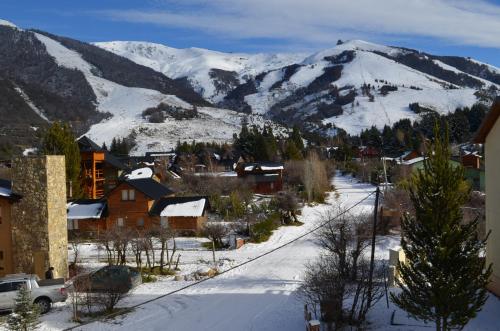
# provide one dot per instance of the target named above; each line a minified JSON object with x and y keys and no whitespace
{"x":85,"y":209}
{"x":413,"y":161}
{"x":140,"y":173}
{"x":185,"y":209}
{"x":5,"y":192}
{"x":268,"y":166}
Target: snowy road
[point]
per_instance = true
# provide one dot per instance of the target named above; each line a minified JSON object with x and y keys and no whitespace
{"x":257,"y":296}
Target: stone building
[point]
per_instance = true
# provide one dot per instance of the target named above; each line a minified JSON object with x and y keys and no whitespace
{"x":38,"y":224}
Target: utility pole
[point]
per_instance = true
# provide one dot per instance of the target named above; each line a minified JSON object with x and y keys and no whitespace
{"x":372,"y":259}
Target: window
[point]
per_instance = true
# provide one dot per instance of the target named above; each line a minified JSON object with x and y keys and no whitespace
{"x":119,"y":222}
{"x":72,"y":224}
{"x":140,"y":222}
{"x":4,"y":287}
{"x":164,"y":222}
{"x":1,"y":255}
{"x":11,"y":286}
{"x":128,"y":195}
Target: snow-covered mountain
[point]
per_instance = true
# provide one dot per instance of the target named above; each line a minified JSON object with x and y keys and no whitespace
{"x":103,"y":89}
{"x":212,"y":74}
{"x":44,"y":78}
{"x":352,"y":86}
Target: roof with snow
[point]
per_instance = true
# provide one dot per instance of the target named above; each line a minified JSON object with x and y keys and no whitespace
{"x":264,"y":166}
{"x":140,"y":173}
{"x":87,"y":209}
{"x":6,"y":190}
{"x":150,"y":187}
{"x":413,"y":161}
{"x":181,"y":206}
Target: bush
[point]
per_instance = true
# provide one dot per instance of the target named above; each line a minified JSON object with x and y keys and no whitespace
{"x":261,"y":231}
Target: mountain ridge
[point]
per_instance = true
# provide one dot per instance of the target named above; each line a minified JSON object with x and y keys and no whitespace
{"x":103,"y":89}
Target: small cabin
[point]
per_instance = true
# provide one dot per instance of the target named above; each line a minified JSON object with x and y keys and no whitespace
{"x":87,"y":216}
{"x":182,"y":214}
{"x":265,"y":177}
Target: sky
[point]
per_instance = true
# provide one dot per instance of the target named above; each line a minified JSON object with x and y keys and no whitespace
{"x":442,"y":27}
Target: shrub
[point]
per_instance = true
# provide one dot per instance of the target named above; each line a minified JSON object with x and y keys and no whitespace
{"x":261,"y":231}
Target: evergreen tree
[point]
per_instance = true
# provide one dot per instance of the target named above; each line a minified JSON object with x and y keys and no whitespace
{"x":59,"y":140}
{"x":104,"y":147}
{"x":297,"y":138}
{"x":444,"y":278}
{"x":292,"y":152}
{"x":25,"y":314}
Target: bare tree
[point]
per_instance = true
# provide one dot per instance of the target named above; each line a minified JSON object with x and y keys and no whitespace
{"x":287,"y":205}
{"x":215,"y":232}
{"x":338,"y":282}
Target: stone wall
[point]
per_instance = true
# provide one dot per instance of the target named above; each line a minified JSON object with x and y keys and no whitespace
{"x":39,"y":220}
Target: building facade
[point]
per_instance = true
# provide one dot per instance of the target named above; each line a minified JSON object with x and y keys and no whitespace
{"x":36,"y":219}
{"x":489,"y":135}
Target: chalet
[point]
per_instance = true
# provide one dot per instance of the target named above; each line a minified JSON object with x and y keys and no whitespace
{"x":87,"y":216}
{"x":489,"y":135}
{"x":182,"y":214}
{"x":100,"y":169}
{"x":367,"y":152}
{"x":130,"y":202}
{"x":474,"y":170}
{"x":410,"y":155}
{"x":265,"y":177}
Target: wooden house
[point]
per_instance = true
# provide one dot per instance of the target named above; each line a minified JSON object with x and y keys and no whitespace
{"x":471,"y":160}
{"x":130,"y":202}
{"x":366,"y":152}
{"x":265,"y":177}
{"x":489,"y":135}
{"x":100,"y":169}
{"x":182,"y":214}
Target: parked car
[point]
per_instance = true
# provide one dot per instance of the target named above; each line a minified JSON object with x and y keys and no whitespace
{"x":43,"y":292}
{"x":114,"y":278}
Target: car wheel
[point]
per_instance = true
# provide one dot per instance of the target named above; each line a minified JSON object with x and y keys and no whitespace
{"x":44,"y":305}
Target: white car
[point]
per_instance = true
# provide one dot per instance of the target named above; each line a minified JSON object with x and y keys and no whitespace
{"x":43,"y":292}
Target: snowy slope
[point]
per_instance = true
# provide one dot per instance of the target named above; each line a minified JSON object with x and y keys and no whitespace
{"x":196,"y":63}
{"x":296,"y":94}
{"x":126,"y":104}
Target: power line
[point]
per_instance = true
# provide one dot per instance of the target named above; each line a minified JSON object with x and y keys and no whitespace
{"x":128,"y":309}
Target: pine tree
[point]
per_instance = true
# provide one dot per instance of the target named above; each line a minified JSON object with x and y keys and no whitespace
{"x":444,"y":278}
{"x":292,"y":152}
{"x":297,"y":138}
{"x":26,"y":313}
{"x":59,"y":140}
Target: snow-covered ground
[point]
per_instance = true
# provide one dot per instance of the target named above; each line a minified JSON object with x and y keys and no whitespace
{"x":258,"y":295}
